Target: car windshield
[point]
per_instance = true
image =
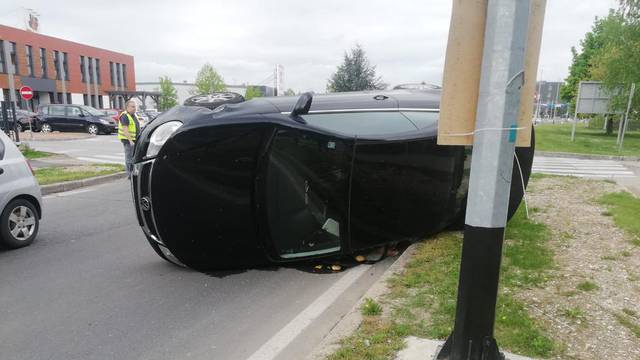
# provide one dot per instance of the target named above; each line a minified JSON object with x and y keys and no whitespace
{"x":91,"y":110}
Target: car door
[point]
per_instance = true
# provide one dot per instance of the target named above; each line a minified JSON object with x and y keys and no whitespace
{"x":56,"y":117}
{"x":75,"y":118}
{"x":307,"y":192}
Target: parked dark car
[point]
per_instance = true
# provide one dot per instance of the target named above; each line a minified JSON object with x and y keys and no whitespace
{"x":75,"y":118}
{"x":26,"y":120}
{"x":280,"y":179}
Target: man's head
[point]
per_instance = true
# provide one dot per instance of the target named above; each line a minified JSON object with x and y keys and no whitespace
{"x":130,"y":106}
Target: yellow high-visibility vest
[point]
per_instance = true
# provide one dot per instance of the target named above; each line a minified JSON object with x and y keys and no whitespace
{"x":132,"y":126}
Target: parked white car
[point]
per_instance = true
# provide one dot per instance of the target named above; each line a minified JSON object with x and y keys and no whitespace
{"x":20,"y":197}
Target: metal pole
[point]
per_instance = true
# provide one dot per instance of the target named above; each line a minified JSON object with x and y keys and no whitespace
{"x":575,"y":115}
{"x":555,"y":104}
{"x":539,"y":95}
{"x":620,"y":128}
{"x":626,"y":116}
{"x":501,"y":81}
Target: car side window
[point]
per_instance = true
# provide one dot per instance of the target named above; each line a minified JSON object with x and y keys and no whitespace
{"x":44,"y":110}
{"x":362,"y":123}
{"x":57,"y":110}
{"x":74,"y":111}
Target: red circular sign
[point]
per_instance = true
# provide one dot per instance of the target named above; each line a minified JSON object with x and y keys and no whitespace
{"x":26,"y":93}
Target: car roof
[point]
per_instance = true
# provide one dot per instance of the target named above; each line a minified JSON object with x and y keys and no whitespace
{"x":380,"y":99}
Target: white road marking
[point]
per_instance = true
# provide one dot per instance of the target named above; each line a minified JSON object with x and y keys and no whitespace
{"x":287,"y":334}
{"x":68,"y":193}
{"x":111,"y":157}
{"x":98,"y":160}
{"x":581,"y":167}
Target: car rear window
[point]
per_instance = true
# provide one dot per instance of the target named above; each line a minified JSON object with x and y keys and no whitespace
{"x":362,"y":123}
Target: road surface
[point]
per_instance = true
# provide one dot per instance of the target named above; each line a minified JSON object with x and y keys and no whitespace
{"x":90,"y":287}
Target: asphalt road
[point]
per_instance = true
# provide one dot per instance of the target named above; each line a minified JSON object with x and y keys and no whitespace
{"x":97,"y":149}
{"x":90,"y":287}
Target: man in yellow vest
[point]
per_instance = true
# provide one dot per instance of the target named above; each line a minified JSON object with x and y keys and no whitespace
{"x":128,"y":130}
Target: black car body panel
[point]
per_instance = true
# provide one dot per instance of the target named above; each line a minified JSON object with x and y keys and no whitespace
{"x":246,"y":185}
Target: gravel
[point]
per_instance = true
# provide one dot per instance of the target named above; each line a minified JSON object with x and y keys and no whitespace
{"x":588,"y":247}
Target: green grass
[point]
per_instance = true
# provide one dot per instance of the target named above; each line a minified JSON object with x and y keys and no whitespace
{"x":627,"y":321}
{"x":629,"y":312}
{"x":557,"y":138}
{"x":422,"y":299}
{"x":587,"y":286}
{"x":31,"y":154}
{"x":54,"y":175}
{"x":370,"y":307}
{"x":624,"y":208}
{"x":575,"y":314}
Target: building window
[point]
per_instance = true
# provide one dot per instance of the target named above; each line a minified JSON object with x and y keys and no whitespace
{"x":65,"y":65}
{"x":29,"y":57}
{"x":124,"y":75}
{"x":118,"y":74}
{"x":14,"y":60}
{"x":43,"y":63}
{"x":56,"y":64}
{"x":3,"y":68}
{"x":90,"y":60}
{"x":113,"y":82}
{"x":82,"y":75}
{"x":98,"y":71}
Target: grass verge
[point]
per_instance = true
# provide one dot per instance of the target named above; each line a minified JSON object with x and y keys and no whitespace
{"x":422,"y":299}
{"x":52,"y":175}
{"x":624,"y":208}
{"x":31,"y":154}
{"x":557,"y":138}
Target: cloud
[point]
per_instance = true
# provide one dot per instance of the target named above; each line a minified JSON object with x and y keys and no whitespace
{"x":406,"y":39}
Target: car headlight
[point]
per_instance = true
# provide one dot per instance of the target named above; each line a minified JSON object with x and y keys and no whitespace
{"x":160,"y":136}
{"x":104,"y":121}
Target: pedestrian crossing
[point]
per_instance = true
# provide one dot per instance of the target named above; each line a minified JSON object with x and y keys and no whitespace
{"x":118,"y":158}
{"x":588,"y":168}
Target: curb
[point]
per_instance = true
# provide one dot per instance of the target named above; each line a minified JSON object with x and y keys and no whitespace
{"x":351,"y":320}
{"x":27,"y":140}
{"x":76,"y":184}
{"x":589,"y":157}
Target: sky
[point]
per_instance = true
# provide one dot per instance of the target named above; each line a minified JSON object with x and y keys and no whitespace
{"x":244,"y":40}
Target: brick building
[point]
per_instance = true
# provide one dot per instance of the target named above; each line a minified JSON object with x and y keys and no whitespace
{"x":41,"y":62}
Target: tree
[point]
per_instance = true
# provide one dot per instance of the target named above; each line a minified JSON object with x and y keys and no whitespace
{"x":581,"y":64}
{"x":355,"y":73}
{"x":252,"y":92}
{"x":169,"y":94}
{"x":208,"y":81}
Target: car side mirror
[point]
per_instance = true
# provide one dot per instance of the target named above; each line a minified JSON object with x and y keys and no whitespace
{"x":81,"y":114}
{"x":302,"y":107}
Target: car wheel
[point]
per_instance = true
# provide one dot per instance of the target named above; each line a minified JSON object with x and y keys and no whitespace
{"x":45,"y":128}
{"x":214,"y":100}
{"x":19,"y":128}
{"x":19,"y":224}
{"x":93,"y":129}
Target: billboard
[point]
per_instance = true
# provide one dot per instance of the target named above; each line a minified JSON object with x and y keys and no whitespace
{"x":593,"y":98}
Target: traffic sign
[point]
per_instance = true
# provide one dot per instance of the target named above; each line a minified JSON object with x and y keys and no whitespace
{"x":26,"y":93}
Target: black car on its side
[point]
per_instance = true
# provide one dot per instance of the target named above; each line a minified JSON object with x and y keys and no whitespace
{"x":281,"y":179}
{"x":79,"y":118}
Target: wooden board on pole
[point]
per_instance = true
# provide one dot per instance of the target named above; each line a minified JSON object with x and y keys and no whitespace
{"x":461,"y":81}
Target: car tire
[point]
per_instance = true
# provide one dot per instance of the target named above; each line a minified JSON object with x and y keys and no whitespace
{"x":45,"y":128}
{"x":93,"y":129}
{"x":19,"y":224}
{"x":212,"y":101}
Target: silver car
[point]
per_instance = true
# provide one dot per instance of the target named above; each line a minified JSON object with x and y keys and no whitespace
{"x":20,"y":197}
